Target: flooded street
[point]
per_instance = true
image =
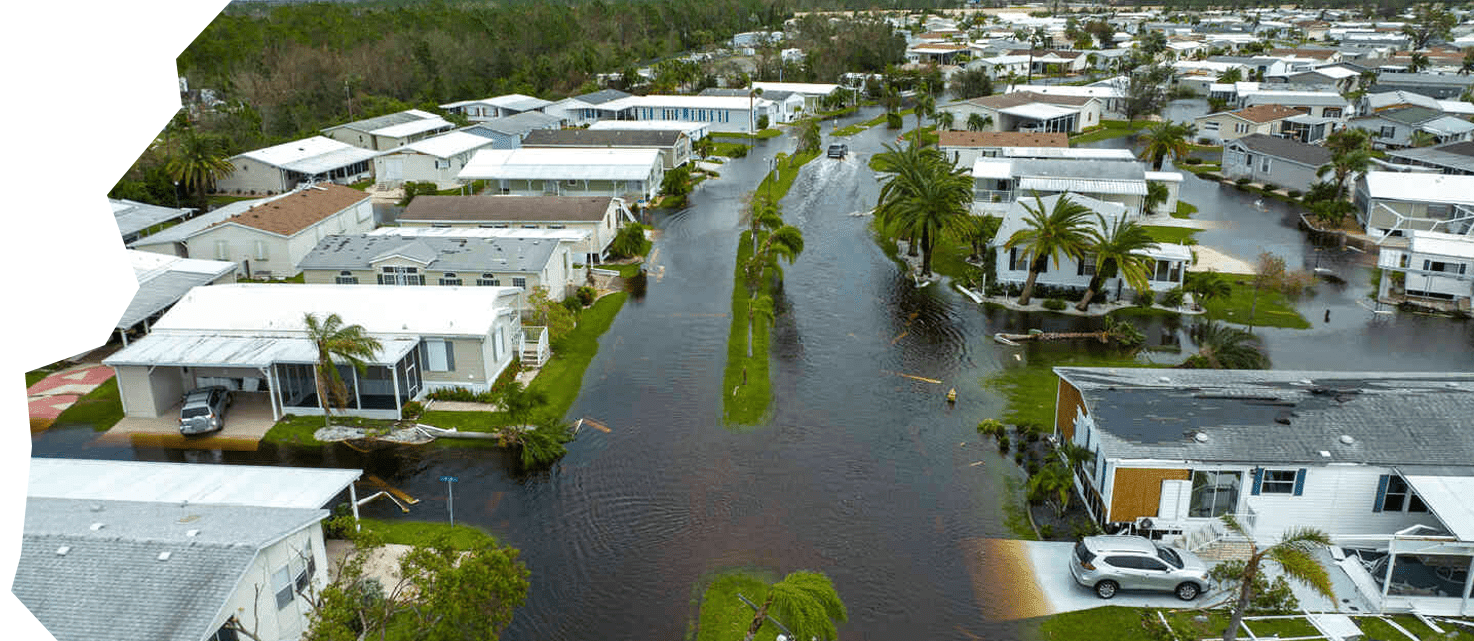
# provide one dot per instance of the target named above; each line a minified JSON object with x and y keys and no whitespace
{"x":863,"y":474}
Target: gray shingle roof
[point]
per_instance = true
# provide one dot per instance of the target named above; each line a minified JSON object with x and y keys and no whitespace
{"x":133,"y":216}
{"x":380,"y":122}
{"x":1456,"y":155}
{"x":1281,"y":416}
{"x":1092,"y":169}
{"x":506,"y":208}
{"x":1391,"y":78}
{"x":110,"y":583}
{"x":474,"y":255}
{"x":1286,"y":148}
{"x":518,"y":124}
{"x":602,"y":96}
{"x":602,"y":138}
{"x":1410,"y":115}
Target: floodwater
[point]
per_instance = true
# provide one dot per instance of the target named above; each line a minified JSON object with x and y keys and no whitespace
{"x":861,"y":473}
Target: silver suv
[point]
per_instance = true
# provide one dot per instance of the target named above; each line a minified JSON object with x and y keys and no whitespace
{"x":1107,"y":564}
{"x":203,"y":410}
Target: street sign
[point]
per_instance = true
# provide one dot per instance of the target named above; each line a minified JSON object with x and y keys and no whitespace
{"x":449,"y":479}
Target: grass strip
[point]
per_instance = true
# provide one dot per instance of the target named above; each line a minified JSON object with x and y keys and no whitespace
{"x":101,"y":408}
{"x":787,"y":173}
{"x":723,"y":616}
{"x":460,"y":537}
{"x":1173,"y":235}
{"x":1109,"y":129}
{"x":770,"y":132}
{"x":1184,"y":210}
{"x":1029,"y":389}
{"x":745,"y":403}
{"x":1273,"y":309}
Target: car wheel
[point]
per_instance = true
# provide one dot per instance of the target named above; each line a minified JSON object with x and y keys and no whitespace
{"x":1188,"y":591}
{"x":1106,"y":589}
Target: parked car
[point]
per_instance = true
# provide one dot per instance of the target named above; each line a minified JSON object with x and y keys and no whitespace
{"x":1108,"y":564}
{"x":203,"y":410}
{"x":838,"y":151}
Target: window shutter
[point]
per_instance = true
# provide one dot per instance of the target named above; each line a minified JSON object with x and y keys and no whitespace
{"x":1258,"y":480}
{"x":450,"y":356}
{"x":1381,"y":492}
{"x":1299,"y":481}
{"x":1080,"y":266}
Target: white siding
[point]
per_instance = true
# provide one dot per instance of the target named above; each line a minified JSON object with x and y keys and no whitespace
{"x":1337,"y":499}
{"x":251,"y":176}
{"x":258,"y":611}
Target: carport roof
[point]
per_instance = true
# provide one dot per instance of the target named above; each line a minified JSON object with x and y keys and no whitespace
{"x":250,"y":485}
{"x":1448,"y":497}
{"x":183,"y":348}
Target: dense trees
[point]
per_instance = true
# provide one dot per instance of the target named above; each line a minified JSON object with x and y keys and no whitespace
{"x":924,"y":197}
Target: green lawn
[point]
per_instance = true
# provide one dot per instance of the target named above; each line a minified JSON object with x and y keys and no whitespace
{"x":1272,"y":310}
{"x":770,"y":132}
{"x":727,"y":149}
{"x":460,"y":537}
{"x":1029,"y":389}
{"x":1185,"y":209}
{"x":1109,"y":129}
{"x":629,"y":270}
{"x":749,"y":404}
{"x":363,"y":185}
{"x":723,"y":616}
{"x":1177,"y":235}
{"x":1117,"y":623}
{"x":35,"y":375}
{"x":929,"y":135}
{"x":101,"y":408}
{"x":850,"y":130}
{"x":787,"y":172}
{"x":298,"y":430}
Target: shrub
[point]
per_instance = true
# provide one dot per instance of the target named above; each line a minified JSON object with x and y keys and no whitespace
{"x":1242,"y":181}
{"x":1003,"y":444}
{"x":991,"y":427}
{"x":573,"y":304}
{"x":1294,"y":193}
{"x":1173,"y":297}
{"x":762,"y":122}
{"x":738,"y":152}
{"x":1046,"y":531}
{"x":586,"y":295}
{"x":1192,"y":161}
{"x":1054,"y":304}
{"x":1270,"y":187}
{"x":413,"y":409}
{"x":995,"y":290}
{"x":1032,"y":468}
{"x":893,"y":121}
{"x":1018,"y":455}
{"x":1144,"y":298}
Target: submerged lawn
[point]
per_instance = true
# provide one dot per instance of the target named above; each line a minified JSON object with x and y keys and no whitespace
{"x":723,"y":616}
{"x":1109,"y":129}
{"x":745,"y":403}
{"x":1272,"y":310}
{"x":101,"y":408}
{"x":460,"y":537}
{"x":1030,"y":389}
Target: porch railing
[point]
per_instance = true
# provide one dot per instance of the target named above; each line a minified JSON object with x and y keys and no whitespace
{"x":533,"y":352}
{"x":992,"y":195}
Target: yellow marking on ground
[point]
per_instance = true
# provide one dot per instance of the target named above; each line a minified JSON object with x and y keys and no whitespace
{"x":900,"y":336}
{"x":398,"y":494}
{"x":596,"y":425}
{"x":914,"y":377}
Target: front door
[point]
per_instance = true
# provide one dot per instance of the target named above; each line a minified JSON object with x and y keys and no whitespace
{"x":393,"y":169}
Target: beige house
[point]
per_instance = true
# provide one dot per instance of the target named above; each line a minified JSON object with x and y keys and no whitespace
{"x":282,"y":168}
{"x":446,"y":261}
{"x":1224,"y":126}
{"x":386,"y":132}
{"x":267,"y":237}
{"x":598,"y":216}
{"x":436,"y":160}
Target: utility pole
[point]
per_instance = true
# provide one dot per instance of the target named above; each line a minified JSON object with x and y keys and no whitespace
{"x":450,"y":491}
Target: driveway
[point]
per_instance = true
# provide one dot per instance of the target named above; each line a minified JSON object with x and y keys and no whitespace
{"x":1050,"y":562}
{"x":247,"y":420}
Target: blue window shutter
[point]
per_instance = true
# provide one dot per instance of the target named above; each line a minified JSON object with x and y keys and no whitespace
{"x":1300,"y":481}
{"x":1381,"y":492}
{"x":1258,"y":480}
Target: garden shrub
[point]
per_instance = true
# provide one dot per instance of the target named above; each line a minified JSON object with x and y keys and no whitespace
{"x":1173,"y":297}
{"x":413,"y":409}
{"x":1242,"y":181}
{"x":738,"y":152}
{"x":1192,"y":161}
{"x":1054,"y":304}
{"x":1144,"y":298}
{"x":586,"y":295}
{"x":893,"y":121}
{"x":1294,"y":193}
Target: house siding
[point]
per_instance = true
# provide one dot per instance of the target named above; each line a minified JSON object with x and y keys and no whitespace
{"x":1068,"y":406}
{"x":469,"y":371}
{"x":1338,"y":499}
{"x":251,"y":177}
{"x":1136,"y":491}
{"x":1228,"y":127}
{"x":418,"y":167}
{"x":1282,"y":172}
{"x":256,"y":609}
{"x":149,"y":394}
{"x":555,"y":275}
{"x":601,"y":233}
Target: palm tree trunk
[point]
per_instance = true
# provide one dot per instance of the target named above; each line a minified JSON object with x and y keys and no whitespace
{"x":322,"y":396}
{"x":757,"y":620}
{"x":1157,"y":162}
{"x":926,"y":247}
{"x":1023,"y":298}
{"x":1090,"y":292}
{"x":1246,"y":592}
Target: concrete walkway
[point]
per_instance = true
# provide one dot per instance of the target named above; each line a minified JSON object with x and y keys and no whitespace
{"x":1210,"y":259}
{"x":52,"y":395}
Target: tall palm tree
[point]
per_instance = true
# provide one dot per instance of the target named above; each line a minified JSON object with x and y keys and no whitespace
{"x":809,"y":137}
{"x":1063,"y":230}
{"x":1116,"y":248}
{"x":1224,"y":347}
{"x":336,"y":342}
{"x":978,"y":122}
{"x":807,"y":604}
{"x":925,"y":106}
{"x":1206,"y":286}
{"x":925,"y":201}
{"x":1351,"y":153}
{"x":1166,"y":139}
{"x":1156,"y":194}
{"x":197,"y":161}
{"x":1418,"y":62}
{"x":1294,"y":554}
{"x":765,"y":214}
{"x":946,"y":120}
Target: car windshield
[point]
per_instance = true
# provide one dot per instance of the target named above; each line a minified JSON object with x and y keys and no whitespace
{"x":1166,"y":554}
{"x":192,"y":412}
{"x":1082,"y":553}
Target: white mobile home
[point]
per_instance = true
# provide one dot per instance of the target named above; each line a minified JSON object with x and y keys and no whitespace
{"x":723,"y":113}
{"x":436,"y":160}
{"x":382,"y":133}
{"x":568,"y":171}
{"x":1432,"y":268}
{"x":1394,"y":203}
{"x":496,"y":107}
{"x":282,"y":168}
{"x":598,"y":218}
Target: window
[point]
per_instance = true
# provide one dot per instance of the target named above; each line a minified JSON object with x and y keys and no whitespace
{"x":529,"y":226}
{"x":309,"y":568}
{"x":401,"y":276}
{"x":1331,"y":112}
{"x":442,"y":164}
{"x":1086,"y":266}
{"x":1241,"y":127}
{"x":222,"y":250}
{"x":1387,"y":131}
{"x":557,"y":226}
{"x":1278,"y":481}
{"x":1264,"y":165}
{"x":346,"y":277}
{"x":488,"y":280}
{"x":1151,"y":564}
{"x":438,"y":355}
{"x":261,"y":250}
{"x":281,"y":583}
{"x":440,"y":225}
{"x":519,"y":282}
{"x":1393,"y":495}
{"x":1211,"y":125}
{"x":1214,"y":493}
{"x":450,"y":278}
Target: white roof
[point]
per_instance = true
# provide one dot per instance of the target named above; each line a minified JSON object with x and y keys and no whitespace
{"x":1081,"y":185}
{"x":992,"y":168}
{"x":1039,"y":111}
{"x":1456,"y":107}
{"x":1335,"y":72}
{"x":194,"y":348}
{"x":444,"y":145}
{"x":678,"y":125}
{"x":1091,"y":91}
{"x":566,"y":234}
{"x":688,"y":102}
{"x":206,"y":483}
{"x":1448,"y":497}
{"x":1441,"y":244}
{"x":1073,"y":153}
{"x":163,"y":279}
{"x":805,"y":88}
{"x":189,"y":228}
{"x":561,"y":163}
{"x":515,"y":101}
{"x":313,"y":155}
{"x":1446,"y":125}
{"x":413,"y":127}
{"x":1164,"y":176}
{"x":1006,"y":60}
{"x":267,"y":309}
{"x":148,"y":264}
{"x":1422,"y":188}
{"x":133,"y":217}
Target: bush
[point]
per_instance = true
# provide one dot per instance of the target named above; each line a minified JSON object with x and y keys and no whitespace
{"x":1032,"y":468}
{"x":412,"y":410}
{"x":1003,"y":444}
{"x":1242,"y":181}
{"x":991,"y":427}
{"x":1144,"y":298}
{"x":1294,"y":193}
{"x":762,"y":122}
{"x":573,"y":304}
{"x":1054,"y":304}
{"x":1192,"y":160}
{"x":893,"y":121}
{"x":1173,"y":298}
{"x":586,"y":295}
{"x":1270,"y":187}
{"x":738,"y":152}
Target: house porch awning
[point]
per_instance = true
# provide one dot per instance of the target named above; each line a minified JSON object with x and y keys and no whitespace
{"x":1448,"y":498}
{"x":190,"y":349}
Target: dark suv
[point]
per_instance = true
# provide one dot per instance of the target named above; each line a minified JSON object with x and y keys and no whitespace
{"x":204,"y":410}
{"x":838,"y":151}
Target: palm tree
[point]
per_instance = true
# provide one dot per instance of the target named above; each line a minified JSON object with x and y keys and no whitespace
{"x":335,"y":342}
{"x":1422,"y":138}
{"x":1295,"y":554}
{"x":1206,"y":286}
{"x":945,"y":120}
{"x":1235,"y":74}
{"x":1350,"y":154}
{"x":1224,"y":347}
{"x":925,"y":106}
{"x":924,"y":201}
{"x":809,"y":138}
{"x":1075,"y":455}
{"x":520,"y":402}
{"x":1117,"y":250}
{"x":765,"y":214}
{"x":1418,"y":62}
{"x":978,"y":122}
{"x":1053,"y":481}
{"x":1061,"y":231}
{"x":806,"y":602}
{"x":1166,"y":139}
{"x":197,"y":161}
{"x":1156,"y":194}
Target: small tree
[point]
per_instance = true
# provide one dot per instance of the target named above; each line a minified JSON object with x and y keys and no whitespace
{"x":336,"y":342}
{"x":805,"y":602}
{"x":1294,"y":554}
{"x":809,"y":138}
{"x":677,"y":183}
{"x":1053,"y":482}
{"x":629,"y":241}
{"x":549,"y":313}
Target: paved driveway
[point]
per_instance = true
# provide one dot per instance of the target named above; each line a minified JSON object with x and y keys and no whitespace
{"x":1051,"y":564}
{"x":247,"y":420}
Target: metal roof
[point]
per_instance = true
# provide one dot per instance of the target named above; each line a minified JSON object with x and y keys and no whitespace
{"x":443,"y":146}
{"x":164,"y":279}
{"x":1419,"y":187}
{"x":993,"y":168}
{"x":451,"y":254}
{"x":1093,"y":169}
{"x":114,"y":582}
{"x":1281,"y":416}
{"x":326,"y":162}
{"x":388,"y":120}
{"x":520,"y":124}
{"x":1441,"y":244}
{"x":1456,"y":155}
{"x":1083,"y":185}
{"x":562,"y":163}
{"x":1447,"y":125}
{"x":1037,"y":111}
{"x":602,"y":138}
{"x":693,"y":129}
{"x":307,"y":154}
{"x":1069,"y":153}
{"x":1448,"y":497}
{"x":1293,"y":150}
{"x":513,"y":101}
{"x":563,"y":235}
{"x":1330,"y":98}
{"x":805,"y":88}
{"x":133,"y":217}
{"x":413,"y":127}
{"x":602,"y":96}
{"x":736,"y":103}
{"x":191,"y":348}
{"x":176,"y":483}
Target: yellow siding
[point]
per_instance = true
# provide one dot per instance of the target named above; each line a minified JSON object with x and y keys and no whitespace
{"x":1137,"y":491}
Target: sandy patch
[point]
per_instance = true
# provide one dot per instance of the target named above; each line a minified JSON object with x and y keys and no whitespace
{"x":383,"y":564}
{"x":1003,"y":579}
{"x":1210,"y":259}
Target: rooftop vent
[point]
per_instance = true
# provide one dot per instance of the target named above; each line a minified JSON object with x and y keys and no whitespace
{"x":62,"y":551}
{"x":1347,"y":440}
{"x":1201,"y":437}
{"x":96,"y":507}
{"x":164,"y":556}
{"x":96,"y":526}
{"x":1325,"y":454}
{"x":1163,"y":379}
{"x":191,"y":533}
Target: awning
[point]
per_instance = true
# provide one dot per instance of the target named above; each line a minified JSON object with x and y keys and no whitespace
{"x":1083,"y":185}
{"x":1036,"y":111}
{"x":1448,"y":498}
{"x":189,"y":349}
{"x":256,"y":485}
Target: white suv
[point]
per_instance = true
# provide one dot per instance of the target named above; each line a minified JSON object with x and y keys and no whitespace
{"x":1107,"y":564}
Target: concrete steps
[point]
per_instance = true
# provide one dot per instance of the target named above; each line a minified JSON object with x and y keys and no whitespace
{"x":1225,"y":551}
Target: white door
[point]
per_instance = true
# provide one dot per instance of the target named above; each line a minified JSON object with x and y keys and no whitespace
{"x":1173,"y":503}
{"x":393,"y":169}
